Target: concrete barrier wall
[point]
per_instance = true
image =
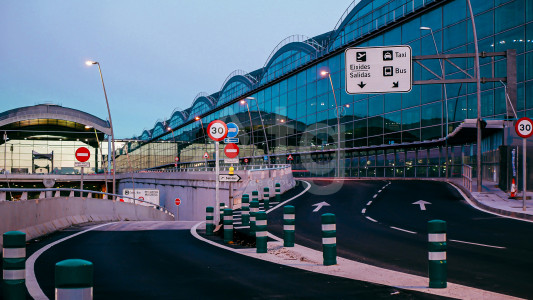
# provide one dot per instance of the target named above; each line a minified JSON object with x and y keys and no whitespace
{"x":43,"y":216}
{"x":196,"y":190}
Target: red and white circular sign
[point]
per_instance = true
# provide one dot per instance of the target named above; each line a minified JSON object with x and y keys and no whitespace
{"x":524,"y":127}
{"x":231,"y":150}
{"x":176,"y":159}
{"x":217,"y":130}
{"x":178,"y":201}
{"x":82,"y":154}
{"x":246,"y":160}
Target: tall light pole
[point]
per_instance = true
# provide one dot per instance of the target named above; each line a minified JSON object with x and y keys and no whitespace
{"x":251,"y":126}
{"x":324,"y":73}
{"x":263,"y":125}
{"x":478,"y":86}
{"x":174,"y":140}
{"x":441,"y":62}
{"x":110,"y":121}
{"x":205,"y":140}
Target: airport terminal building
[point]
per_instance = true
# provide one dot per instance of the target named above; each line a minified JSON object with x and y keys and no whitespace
{"x":295,"y":109}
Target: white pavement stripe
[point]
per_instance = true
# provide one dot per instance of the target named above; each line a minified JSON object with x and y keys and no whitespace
{"x":476,"y":244}
{"x":242,"y":227}
{"x":288,"y":200}
{"x":369,"y":202}
{"x":363,"y":211}
{"x":404,"y":230}
{"x":375,"y":196}
{"x":371,"y":219}
{"x":31,"y":281}
{"x":261,"y":223}
{"x":380,"y":191}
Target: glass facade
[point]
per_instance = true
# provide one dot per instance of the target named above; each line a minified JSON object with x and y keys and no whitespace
{"x":290,"y":106}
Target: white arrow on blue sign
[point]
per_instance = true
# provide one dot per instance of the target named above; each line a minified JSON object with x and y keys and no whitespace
{"x":233,"y":130}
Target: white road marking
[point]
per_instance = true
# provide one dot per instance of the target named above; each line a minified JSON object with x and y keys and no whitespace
{"x":404,"y":230}
{"x":380,"y":190}
{"x":371,"y":219}
{"x":369,"y":202}
{"x":363,"y":211}
{"x":482,"y":245}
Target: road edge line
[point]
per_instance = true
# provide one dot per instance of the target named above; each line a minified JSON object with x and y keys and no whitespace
{"x":471,"y":203}
{"x":31,"y":280}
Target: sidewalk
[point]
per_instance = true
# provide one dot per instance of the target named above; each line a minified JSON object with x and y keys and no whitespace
{"x":497,"y":201}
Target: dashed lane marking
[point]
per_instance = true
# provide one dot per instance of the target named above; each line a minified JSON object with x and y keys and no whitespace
{"x":371,"y":219}
{"x":363,"y":211}
{"x":476,"y":244}
{"x":369,"y":202}
{"x":404,"y":230}
{"x":375,"y":196}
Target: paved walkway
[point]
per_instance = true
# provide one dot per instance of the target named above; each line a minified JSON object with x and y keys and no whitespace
{"x":495,"y":200}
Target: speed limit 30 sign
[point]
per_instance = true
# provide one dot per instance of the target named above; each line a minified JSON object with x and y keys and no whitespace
{"x":524,"y":127}
{"x":217,"y":130}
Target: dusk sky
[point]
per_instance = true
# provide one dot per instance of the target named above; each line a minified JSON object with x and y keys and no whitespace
{"x":156,"y":56}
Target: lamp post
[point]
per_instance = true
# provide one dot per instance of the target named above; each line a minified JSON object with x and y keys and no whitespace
{"x":251,"y":126}
{"x":478,"y":87}
{"x":324,"y":73}
{"x":263,"y":125}
{"x":205,"y":140}
{"x":174,"y":140}
{"x":441,"y":63}
{"x":110,"y":121}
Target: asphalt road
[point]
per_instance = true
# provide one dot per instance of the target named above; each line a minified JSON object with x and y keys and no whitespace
{"x":391,"y":232}
{"x":171,"y":264}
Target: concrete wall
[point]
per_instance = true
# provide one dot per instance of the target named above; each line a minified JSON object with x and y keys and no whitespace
{"x":43,"y":216}
{"x":196,"y":190}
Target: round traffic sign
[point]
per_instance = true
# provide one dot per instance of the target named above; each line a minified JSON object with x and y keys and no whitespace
{"x":246,"y":160}
{"x":82,"y":154}
{"x":178,"y":201}
{"x":176,"y":158}
{"x":233,"y":130}
{"x":524,"y":127}
{"x":217,"y":130}
{"x":231,"y":150}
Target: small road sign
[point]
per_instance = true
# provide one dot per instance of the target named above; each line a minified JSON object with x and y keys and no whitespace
{"x":265,"y":158}
{"x":290,"y":157}
{"x":217,"y":130}
{"x":231,"y":150}
{"x":233,"y":130}
{"x":524,"y":127}
{"x":206,"y":155}
{"x":384,"y":69}
{"x":231,"y":160}
{"x":176,"y":158}
{"x":82,"y":154}
{"x":84,"y":164}
{"x":229,"y":178}
{"x":231,"y":140}
{"x":246,"y":160}
{"x":178,"y":201}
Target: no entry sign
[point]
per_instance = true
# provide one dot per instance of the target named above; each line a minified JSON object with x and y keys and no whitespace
{"x":178,"y":201}
{"x":217,"y":130}
{"x":82,"y":154}
{"x":231,"y":150}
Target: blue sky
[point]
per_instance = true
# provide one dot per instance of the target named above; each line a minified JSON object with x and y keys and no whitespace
{"x":155,"y":55}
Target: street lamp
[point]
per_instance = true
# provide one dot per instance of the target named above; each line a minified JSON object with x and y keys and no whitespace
{"x":251,"y":126}
{"x":205,"y":140}
{"x":323,"y":73}
{"x":478,"y":87}
{"x":174,"y":140}
{"x":441,"y":63}
{"x":262,"y":124}
{"x":89,"y":63}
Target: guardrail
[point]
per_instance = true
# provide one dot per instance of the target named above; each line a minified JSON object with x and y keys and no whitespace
{"x":467,"y":177}
{"x":225,"y":168}
{"x":44,"y":190}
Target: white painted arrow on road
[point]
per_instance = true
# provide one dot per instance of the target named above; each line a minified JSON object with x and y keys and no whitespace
{"x":422,"y":204}
{"x":319,"y":206}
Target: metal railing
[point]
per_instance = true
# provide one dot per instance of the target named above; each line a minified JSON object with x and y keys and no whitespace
{"x":73,"y":191}
{"x":253,"y":168}
{"x":467,"y":177}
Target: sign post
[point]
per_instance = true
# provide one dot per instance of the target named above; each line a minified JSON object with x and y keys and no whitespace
{"x":217,"y":131}
{"x":524,"y":129}
{"x":82,"y":155}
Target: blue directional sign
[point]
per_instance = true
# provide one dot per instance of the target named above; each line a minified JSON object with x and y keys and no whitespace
{"x":231,"y":141}
{"x":233,"y":130}
{"x":265,"y":157}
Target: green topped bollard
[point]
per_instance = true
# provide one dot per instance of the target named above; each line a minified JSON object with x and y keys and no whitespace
{"x":74,"y":279}
{"x":245,"y":210}
{"x":228,"y":225}
{"x":254,"y":209}
{"x":209,"y":220}
{"x":277,"y":192}
{"x":266,"y":198}
{"x":261,"y":232}
{"x":288,"y":225}
{"x":14,"y":265}
{"x":437,"y":268}
{"x":329,"y":239}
